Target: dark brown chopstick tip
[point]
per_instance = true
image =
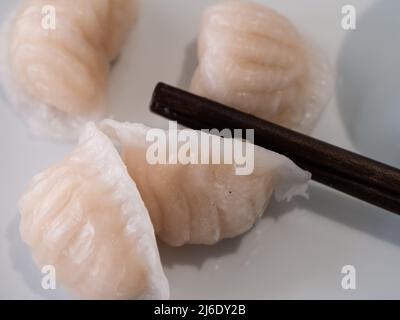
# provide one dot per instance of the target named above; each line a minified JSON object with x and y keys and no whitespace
{"x":351,"y":173}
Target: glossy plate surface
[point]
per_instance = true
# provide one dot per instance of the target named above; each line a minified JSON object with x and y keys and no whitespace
{"x":298,"y":249}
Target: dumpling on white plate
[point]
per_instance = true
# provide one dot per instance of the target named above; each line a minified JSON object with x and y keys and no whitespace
{"x":252,"y":58}
{"x":58,"y":77}
{"x":203,"y":203}
{"x":86,"y":218}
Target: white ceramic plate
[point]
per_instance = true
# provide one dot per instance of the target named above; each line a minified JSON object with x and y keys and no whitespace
{"x":298,"y":249}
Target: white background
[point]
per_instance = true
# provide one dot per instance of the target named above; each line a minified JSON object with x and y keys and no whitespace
{"x":298,"y":249}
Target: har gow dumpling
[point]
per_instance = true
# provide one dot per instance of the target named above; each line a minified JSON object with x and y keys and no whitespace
{"x":253,"y":59}
{"x":60,"y":75}
{"x":203,"y":203}
{"x":86,"y":218}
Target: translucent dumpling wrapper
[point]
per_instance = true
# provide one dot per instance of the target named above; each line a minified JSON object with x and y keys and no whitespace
{"x":56,"y":57}
{"x":252,"y":58}
{"x":86,"y":218}
{"x":203,"y":203}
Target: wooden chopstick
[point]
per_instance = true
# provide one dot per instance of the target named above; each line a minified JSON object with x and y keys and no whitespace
{"x":351,"y":173}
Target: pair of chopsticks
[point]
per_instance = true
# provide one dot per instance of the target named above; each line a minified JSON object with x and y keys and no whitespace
{"x":348,"y":172}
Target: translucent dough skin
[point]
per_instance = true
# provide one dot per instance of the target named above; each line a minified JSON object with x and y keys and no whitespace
{"x":67,"y":68}
{"x":86,"y":217}
{"x":203,"y":204}
{"x":252,"y":58}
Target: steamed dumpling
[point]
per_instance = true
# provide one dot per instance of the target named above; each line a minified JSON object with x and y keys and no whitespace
{"x":203,"y":204}
{"x":60,"y":76}
{"x":253,"y":59}
{"x":85,"y":217}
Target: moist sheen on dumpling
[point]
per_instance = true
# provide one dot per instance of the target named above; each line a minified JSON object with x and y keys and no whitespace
{"x":86,"y":218}
{"x":200,"y":203}
{"x":60,"y":75}
{"x":252,"y":58}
